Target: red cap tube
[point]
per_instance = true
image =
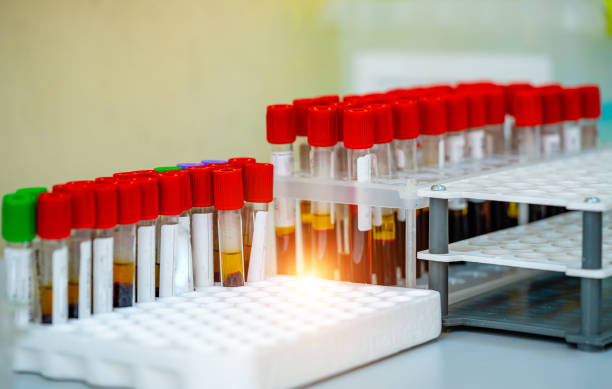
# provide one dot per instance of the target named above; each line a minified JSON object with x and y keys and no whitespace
{"x":457,"y":112}
{"x":591,"y":101}
{"x":128,"y":202}
{"x":186,"y":200}
{"x":105,"y":196}
{"x":340,"y":107}
{"x":83,"y":203}
{"x":527,"y":108}
{"x":432,"y":113}
{"x":383,"y":122}
{"x":571,"y":104}
{"x":358,"y":128}
{"x":53,"y":215}
{"x":551,"y":105}
{"x":496,"y":105}
{"x":201,"y":185}
{"x":405,"y":118}
{"x":170,"y":198}
{"x":280,"y":124}
{"x":300,"y":107}
{"x":510,"y":90}
{"x":322,"y":126}
{"x":326,"y":99}
{"x":241,"y":161}
{"x":477,"y":109}
{"x":258,"y":182}
{"x":149,"y":197}
{"x":228,"y":189}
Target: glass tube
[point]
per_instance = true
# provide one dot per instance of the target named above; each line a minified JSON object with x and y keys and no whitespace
{"x":183,"y":265}
{"x":123,"y":265}
{"x":342,"y":215}
{"x":249,"y":217}
{"x":202,"y":243}
{"x":230,"y":247}
{"x":21,"y":282}
{"x":53,"y":281}
{"x":284,"y":213}
{"x":166,"y":241}
{"x":588,"y":134}
{"x":495,"y":143}
{"x":145,"y":260}
{"x":79,"y":273}
{"x":550,"y":139}
{"x":573,"y":136}
{"x":432,"y":150}
{"x":526,"y":141}
{"x":405,"y":154}
{"x":103,"y":247}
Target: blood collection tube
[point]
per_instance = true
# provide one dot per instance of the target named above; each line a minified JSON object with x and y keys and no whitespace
{"x":170,"y":207}
{"x":258,"y":185}
{"x":342,"y":218}
{"x":495,"y":143}
{"x":527,"y":119}
{"x":202,"y":226}
{"x":145,"y":237}
{"x":322,"y":138}
{"x":241,"y":161}
{"x":432,"y":113}
{"x":550,"y":132}
{"x":183,"y":263}
{"x":280,"y":133}
{"x":479,"y":214}
{"x":302,"y":148}
{"x":591,"y":111}
{"x":510,"y":91}
{"x":570,"y":108}
{"x":185,"y":165}
{"x":124,"y":242}
{"x":457,"y":123}
{"x":79,"y":247}
{"x":229,"y":200}
{"x":53,"y":223}
{"x":105,"y":200}
{"x":384,"y":249}
{"x":18,"y":230}
{"x":358,"y":128}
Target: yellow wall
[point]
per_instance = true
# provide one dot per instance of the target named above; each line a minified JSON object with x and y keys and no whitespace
{"x":90,"y":87}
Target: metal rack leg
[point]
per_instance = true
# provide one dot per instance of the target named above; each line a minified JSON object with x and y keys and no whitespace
{"x":590,"y":289}
{"x":438,"y":244}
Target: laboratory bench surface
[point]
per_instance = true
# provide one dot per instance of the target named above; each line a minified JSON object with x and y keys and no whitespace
{"x":458,"y":359}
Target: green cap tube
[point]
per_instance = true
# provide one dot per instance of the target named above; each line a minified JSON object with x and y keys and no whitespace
{"x":166,"y":168}
{"x":33,"y":190}
{"x":18,"y":217}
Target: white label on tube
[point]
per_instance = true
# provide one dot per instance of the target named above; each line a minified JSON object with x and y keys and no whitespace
{"x":364,"y":174}
{"x":476,"y":144}
{"x":60,"y":286}
{"x":455,"y":147}
{"x":400,"y":158}
{"x":441,"y":152}
{"x":182,"y":257}
{"x":19,"y":282}
{"x":166,"y":259}
{"x":283,"y":163}
{"x":257,"y":262}
{"x":102,"y":275}
{"x":551,"y":144}
{"x":571,"y":139}
{"x":145,"y":264}
{"x":202,"y":233}
{"x":85,"y":279}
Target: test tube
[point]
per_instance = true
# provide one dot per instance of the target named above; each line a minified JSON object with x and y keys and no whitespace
{"x":229,"y":200}
{"x":216,"y":163}
{"x":53,"y":223}
{"x":591,"y":111}
{"x":280,"y":133}
{"x":527,"y":119}
{"x":258,"y":185}
{"x":550,"y":132}
{"x":18,"y":230}
{"x":105,"y":200}
{"x":79,"y":247}
{"x":124,"y":242}
{"x":510,"y":91}
{"x":358,"y":129}
{"x":202,"y":226}
{"x":170,"y":207}
{"x":145,"y":237}
{"x":241,"y":161}
{"x":456,"y":149}
{"x":183,"y":263}
{"x":384,"y":249}
{"x":571,"y":112}
{"x":432,"y":113}
{"x":495,"y":143}
{"x":479,"y":214}
{"x":322,"y":138}
{"x":33,"y":191}
{"x":300,"y":109}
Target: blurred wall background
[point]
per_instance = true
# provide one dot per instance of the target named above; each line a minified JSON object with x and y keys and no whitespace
{"x":90,"y":87}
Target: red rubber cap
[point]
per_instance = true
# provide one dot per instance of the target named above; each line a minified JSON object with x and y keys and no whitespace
{"x":358,"y":124}
{"x":109,"y":180}
{"x":83,"y":203}
{"x":300,"y":107}
{"x":432,"y":113}
{"x":496,"y":105}
{"x":149,"y":197}
{"x":477,"y":109}
{"x":374,"y":98}
{"x":258,"y":182}
{"x":128,"y":202}
{"x":280,"y":124}
{"x":527,"y":108}
{"x":136,"y":173}
{"x":53,"y":215}
{"x":228,"y":189}
{"x":326,"y":99}
{"x":201,"y":185}
{"x":571,"y":104}
{"x":551,"y":104}
{"x":105,"y":196}
{"x":186,"y":200}
{"x":457,"y":112}
{"x":405,"y":118}
{"x":322,"y":126}
{"x":340,"y":108}
{"x":383,"y":122}
{"x":591,"y":101}
{"x":510,"y":90}
{"x":170,"y":199}
{"x":241,"y":161}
